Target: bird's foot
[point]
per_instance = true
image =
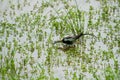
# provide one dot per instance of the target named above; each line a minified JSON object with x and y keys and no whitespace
{"x":66,"y":47}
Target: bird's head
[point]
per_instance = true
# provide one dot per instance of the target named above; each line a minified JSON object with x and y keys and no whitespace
{"x":59,"y":41}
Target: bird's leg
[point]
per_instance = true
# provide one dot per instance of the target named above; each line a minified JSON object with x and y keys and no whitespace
{"x":69,"y":46}
{"x":66,"y":47}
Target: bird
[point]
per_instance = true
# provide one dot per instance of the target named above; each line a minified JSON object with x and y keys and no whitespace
{"x":70,"y":40}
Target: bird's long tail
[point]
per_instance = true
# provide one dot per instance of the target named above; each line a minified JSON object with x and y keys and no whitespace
{"x":81,"y":34}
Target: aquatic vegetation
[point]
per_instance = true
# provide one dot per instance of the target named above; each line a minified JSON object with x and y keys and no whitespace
{"x":28,"y":30}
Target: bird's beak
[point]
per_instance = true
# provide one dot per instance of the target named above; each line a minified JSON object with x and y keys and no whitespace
{"x":59,"y":41}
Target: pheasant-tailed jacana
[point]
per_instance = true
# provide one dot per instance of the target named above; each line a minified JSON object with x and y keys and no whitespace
{"x":71,"y":40}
